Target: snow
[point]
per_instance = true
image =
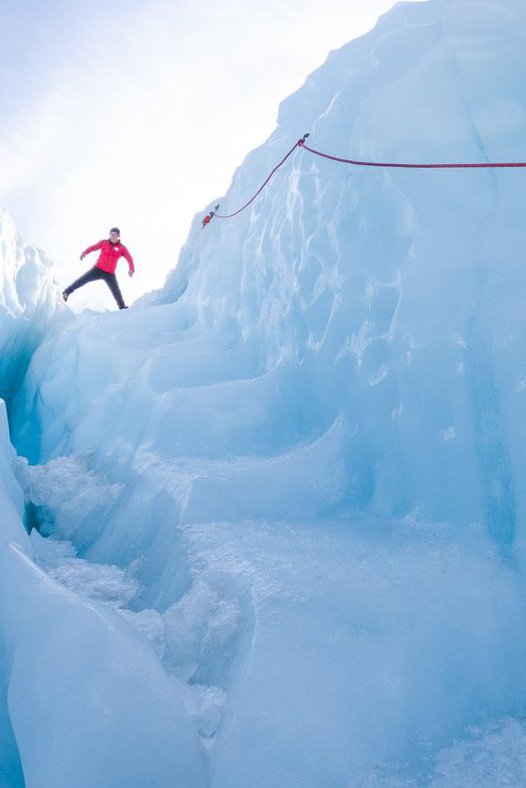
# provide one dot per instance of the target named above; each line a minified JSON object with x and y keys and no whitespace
{"x":280,"y":502}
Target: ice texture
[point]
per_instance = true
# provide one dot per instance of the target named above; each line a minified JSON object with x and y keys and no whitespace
{"x":83,"y":699}
{"x":296,"y":471}
{"x":29,"y":297}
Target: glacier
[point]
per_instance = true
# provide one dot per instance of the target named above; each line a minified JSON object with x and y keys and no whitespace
{"x":275,"y":509}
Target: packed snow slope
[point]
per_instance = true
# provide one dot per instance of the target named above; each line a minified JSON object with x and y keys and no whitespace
{"x":305,"y":453}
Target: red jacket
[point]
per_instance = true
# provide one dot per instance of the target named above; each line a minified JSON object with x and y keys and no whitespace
{"x":109,"y":255}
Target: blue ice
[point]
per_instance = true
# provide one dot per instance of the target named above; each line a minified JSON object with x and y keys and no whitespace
{"x":280,"y":502}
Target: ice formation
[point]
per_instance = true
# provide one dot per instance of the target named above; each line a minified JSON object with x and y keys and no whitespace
{"x":28,"y":299}
{"x":294,"y":475}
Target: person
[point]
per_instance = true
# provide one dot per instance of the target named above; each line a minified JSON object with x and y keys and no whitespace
{"x":110,"y":252}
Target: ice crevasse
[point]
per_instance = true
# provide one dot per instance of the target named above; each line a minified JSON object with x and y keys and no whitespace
{"x":306,"y":450}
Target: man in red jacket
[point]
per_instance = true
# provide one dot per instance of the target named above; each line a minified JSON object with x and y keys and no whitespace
{"x":110,"y":252}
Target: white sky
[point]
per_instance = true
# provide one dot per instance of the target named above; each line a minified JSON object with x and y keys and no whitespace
{"x":137,"y":112}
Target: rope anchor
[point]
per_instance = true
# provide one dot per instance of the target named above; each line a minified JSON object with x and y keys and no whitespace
{"x":209,"y":216}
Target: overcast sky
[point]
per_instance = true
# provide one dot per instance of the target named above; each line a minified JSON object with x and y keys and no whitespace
{"x":137,"y":112}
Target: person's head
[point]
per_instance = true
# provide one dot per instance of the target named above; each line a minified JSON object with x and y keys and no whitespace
{"x":115,"y":234}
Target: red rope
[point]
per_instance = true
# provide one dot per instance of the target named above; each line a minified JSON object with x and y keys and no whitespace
{"x":486,"y":164}
{"x":403,"y":165}
{"x":213,"y":213}
{"x":276,"y":168}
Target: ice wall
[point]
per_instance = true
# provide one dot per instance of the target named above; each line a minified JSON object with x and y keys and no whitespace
{"x":317,"y":426}
{"x":376,"y":311}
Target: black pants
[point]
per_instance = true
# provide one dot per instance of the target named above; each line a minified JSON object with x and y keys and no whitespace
{"x":97,"y":273}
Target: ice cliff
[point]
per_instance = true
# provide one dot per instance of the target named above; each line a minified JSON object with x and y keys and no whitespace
{"x":301,"y":463}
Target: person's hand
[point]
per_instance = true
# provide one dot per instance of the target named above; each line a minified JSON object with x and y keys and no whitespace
{"x":82,"y":256}
{"x":130,"y":273}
